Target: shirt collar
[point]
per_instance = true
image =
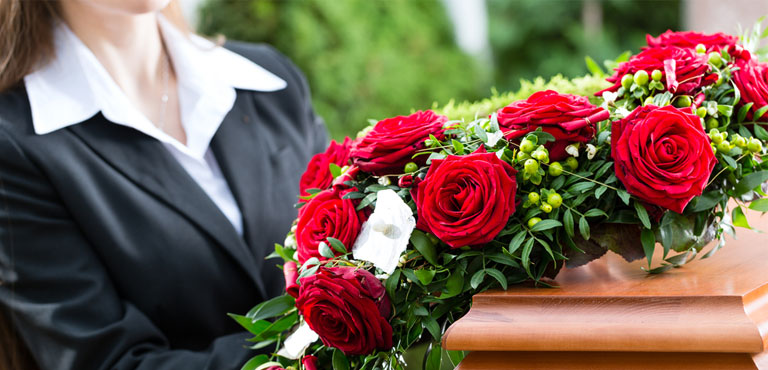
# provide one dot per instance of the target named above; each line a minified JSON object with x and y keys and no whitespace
{"x":74,"y":87}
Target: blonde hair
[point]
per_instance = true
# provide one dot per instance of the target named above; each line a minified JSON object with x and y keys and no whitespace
{"x":26,"y":36}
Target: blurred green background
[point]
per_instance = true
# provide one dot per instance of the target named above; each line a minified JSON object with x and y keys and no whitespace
{"x":372,"y":59}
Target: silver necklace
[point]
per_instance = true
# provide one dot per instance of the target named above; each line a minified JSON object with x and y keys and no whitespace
{"x":165,"y":71}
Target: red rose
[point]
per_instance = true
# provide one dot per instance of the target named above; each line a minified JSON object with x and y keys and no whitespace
{"x":327,"y":215}
{"x":392,"y":142}
{"x":309,"y":362}
{"x":662,"y":155}
{"x":690,"y":39}
{"x":275,"y":367}
{"x":348,"y":308}
{"x":682,"y":69}
{"x":752,"y":81}
{"x":318,"y":173}
{"x":466,"y":200}
{"x":569,"y":118}
{"x":291,"y":274}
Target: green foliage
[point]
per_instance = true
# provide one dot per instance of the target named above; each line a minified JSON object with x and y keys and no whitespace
{"x":547,"y":37}
{"x":363,"y":59}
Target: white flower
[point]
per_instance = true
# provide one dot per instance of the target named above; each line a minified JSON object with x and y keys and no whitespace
{"x":591,"y":151}
{"x":494,"y":138}
{"x":573,"y":149}
{"x":622,"y":112}
{"x":298,"y":342}
{"x":384,"y":181}
{"x":610,"y":97}
{"x":385,"y":235}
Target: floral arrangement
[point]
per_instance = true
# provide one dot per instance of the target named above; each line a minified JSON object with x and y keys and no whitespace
{"x":400,"y":227}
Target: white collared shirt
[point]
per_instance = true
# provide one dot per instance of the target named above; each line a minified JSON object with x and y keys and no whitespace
{"x":75,"y":86}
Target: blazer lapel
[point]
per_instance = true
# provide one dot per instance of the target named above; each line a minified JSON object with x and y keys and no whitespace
{"x":236,"y":147}
{"x":151,"y":167}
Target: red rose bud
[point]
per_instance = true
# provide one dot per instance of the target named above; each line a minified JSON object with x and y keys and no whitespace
{"x":318,"y":173}
{"x":348,"y":308}
{"x":349,"y":175}
{"x":466,"y":200}
{"x":569,"y":118}
{"x":291,"y":274}
{"x":690,"y":39}
{"x":662,"y":155}
{"x":405,"y":181}
{"x":684,"y":70}
{"x":327,"y":215}
{"x":391,"y":144}
{"x":752,"y":81}
{"x":309,"y":362}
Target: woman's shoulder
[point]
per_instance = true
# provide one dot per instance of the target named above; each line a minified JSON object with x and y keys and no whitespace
{"x":270,"y":59}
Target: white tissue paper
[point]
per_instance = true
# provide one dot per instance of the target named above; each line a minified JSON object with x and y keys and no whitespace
{"x":385,"y":235}
{"x":298,"y":342}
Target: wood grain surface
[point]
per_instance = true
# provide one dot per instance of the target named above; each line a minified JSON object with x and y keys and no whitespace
{"x":711,"y":314}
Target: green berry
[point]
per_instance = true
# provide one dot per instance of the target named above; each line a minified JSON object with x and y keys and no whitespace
{"x":754,"y":145}
{"x":555,"y":200}
{"x":626,"y":81}
{"x":656,"y":75}
{"x":701,"y":112}
{"x":527,"y":145}
{"x":545,"y":207}
{"x":712,"y":123}
{"x":641,"y":77}
{"x":531,"y":166}
{"x":724,"y":147}
{"x":701,"y":49}
{"x":533,"y":198}
{"x":411,"y":167}
{"x":555,"y":169}
{"x":648,"y":100}
{"x":522,"y":156}
{"x":572,"y":162}
{"x":739,"y":141}
{"x":683,"y":101}
{"x":533,"y":221}
{"x":715,"y":136}
{"x":541,"y":155}
{"x":715,"y":59}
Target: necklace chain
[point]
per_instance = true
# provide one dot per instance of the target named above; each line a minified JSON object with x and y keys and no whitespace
{"x":165,"y":71}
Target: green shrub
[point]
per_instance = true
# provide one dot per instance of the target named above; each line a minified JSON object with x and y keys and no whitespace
{"x":363,"y":59}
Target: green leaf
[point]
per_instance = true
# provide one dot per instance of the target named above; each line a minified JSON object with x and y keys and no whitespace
{"x":759,"y":113}
{"x":425,"y":247}
{"x":255,"y":362}
{"x":595,"y":213}
{"x":642,"y":214}
{"x":433,"y":356}
{"x":661,"y":100}
{"x":370,"y":198}
{"x":337,"y":245}
{"x":481,"y":134}
{"x":760,"y":205}
{"x":453,"y":285}
{"x":391,"y":284}
{"x":707,"y":201}
{"x":325,"y":250}
{"x":623,"y":195}
{"x":517,"y":241}
{"x":340,"y":361}
{"x":760,"y":131}
{"x":750,"y":182}
{"x":546,"y":225}
{"x":739,"y":219}
{"x":335,"y":170}
{"x":526,"y":256}
{"x":271,"y":308}
{"x":498,"y":276}
{"x":568,"y":222}
{"x":353,"y":195}
{"x":599,"y":192}
{"x":425,"y":276}
{"x":593,"y":67}
{"x":725,"y":110}
{"x":584,"y":228}
{"x":456,"y":357}
{"x":431,"y":325}
{"x":458,"y":147}
{"x":477,"y":279}
{"x":730,"y":162}
{"x":742,"y":114}
{"x":649,"y":244}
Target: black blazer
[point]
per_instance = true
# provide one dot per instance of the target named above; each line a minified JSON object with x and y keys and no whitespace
{"x":111,"y":255}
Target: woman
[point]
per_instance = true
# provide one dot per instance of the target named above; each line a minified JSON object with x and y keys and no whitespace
{"x":144,"y":176}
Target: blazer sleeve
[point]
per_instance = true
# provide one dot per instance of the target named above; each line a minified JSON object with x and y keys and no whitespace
{"x":59,"y":295}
